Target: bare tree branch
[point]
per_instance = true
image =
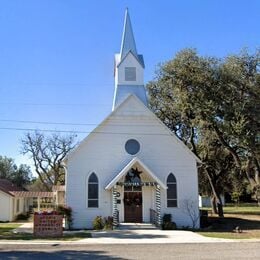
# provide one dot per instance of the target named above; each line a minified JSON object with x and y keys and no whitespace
{"x":47,"y":153}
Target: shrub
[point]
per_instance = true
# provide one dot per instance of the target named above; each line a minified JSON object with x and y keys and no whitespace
{"x":22,"y":216}
{"x":108,"y":222}
{"x":167,"y":222}
{"x":98,"y":223}
{"x":67,"y":213}
{"x":167,"y":218}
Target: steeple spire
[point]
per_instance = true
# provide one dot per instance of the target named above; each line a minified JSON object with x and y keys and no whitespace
{"x":129,"y":68}
{"x":128,"y":40}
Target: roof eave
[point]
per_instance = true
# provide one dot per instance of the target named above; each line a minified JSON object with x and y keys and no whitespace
{"x":127,"y":168}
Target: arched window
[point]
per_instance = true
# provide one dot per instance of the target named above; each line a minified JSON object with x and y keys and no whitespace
{"x":93,"y":191}
{"x":171,"y":191}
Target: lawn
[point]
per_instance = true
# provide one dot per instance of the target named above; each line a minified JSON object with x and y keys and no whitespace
{"x":6,"y":233}
{"x":246,"y":217}
{"x":6,"y":228}
{"x":241,"y":209}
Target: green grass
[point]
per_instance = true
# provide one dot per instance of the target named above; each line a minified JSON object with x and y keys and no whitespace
{"x":244,"y":208}
{"x":245,"y":216}
{"x":231,"y":235}
{"x":6,"y":228}
{"x":6,"y":233}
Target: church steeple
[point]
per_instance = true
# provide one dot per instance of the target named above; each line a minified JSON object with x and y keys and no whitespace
{"x":128,"y":40}
{"x":129,"y":67}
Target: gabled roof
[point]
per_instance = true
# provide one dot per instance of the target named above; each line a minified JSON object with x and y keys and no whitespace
{"x":150,"y":112}
{"x":139,"y":58}
{"x":95,"y":129}
{"x":128,"y":167}
{"x":7,"y":187}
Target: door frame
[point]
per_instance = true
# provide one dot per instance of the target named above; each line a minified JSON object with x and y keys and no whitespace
{"x":141,"y":191}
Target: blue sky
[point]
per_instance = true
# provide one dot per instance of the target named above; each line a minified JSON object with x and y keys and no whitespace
{"x":56,"y":56}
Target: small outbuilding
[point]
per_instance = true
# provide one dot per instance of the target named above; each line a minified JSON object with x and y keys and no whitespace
{"x":10,"y":204}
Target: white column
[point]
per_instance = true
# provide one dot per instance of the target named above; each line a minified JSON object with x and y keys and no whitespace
{"x":39,"y":203}
{"x":158,"y":204}
{"x":114,"y":202}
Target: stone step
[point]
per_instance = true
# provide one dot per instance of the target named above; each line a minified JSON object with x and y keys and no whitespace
{"x":134,"y":226}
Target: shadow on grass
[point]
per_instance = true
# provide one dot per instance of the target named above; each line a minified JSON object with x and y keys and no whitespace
{"x":229,"y":224}
{"x":24,"y":236}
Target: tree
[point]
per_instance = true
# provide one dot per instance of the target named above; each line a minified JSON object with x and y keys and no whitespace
{"x":48,"y":153}
{"x":217,"y":167}
{"x":20,"y":176}
{"x":177,"y":97}
{"x":239,"y":128}
{"x":190,"y":208}
{"x":200,"y":99}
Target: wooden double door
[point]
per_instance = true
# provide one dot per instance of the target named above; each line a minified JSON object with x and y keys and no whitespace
{"x":133,"y":205}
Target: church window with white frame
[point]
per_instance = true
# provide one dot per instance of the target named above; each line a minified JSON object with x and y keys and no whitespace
{"x":171,"y":191}
{"x":93,"y":191}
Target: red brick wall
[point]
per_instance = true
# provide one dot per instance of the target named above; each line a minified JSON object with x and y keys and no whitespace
{"x":47,"y":225}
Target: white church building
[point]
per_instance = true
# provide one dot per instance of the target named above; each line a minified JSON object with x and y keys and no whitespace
{"x":131,"y":166}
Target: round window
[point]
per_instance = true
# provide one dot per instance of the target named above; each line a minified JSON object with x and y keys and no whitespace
{"x":132,"y":146}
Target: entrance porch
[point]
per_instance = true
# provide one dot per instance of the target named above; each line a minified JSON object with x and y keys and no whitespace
{"x":136,"y":195}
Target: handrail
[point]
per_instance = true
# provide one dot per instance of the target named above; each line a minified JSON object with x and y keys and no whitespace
{"x":153,"y":216}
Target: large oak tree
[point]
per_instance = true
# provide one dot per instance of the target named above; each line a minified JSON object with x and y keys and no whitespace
{"x":213,"y":106}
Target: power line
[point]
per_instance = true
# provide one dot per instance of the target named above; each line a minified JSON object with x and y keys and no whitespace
{"x":78,"y":132}
{"x":45,"y":122}
{"x":57,"y":84}
{"x":62,"y":123}
{"x":52,"y":104}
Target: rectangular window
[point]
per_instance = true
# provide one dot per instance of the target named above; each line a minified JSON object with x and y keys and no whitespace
{"x":93,"y":203}
{"x":93,"y":195}
{"x":130,"y":74}
{"x":93,"y":191}
{"x":171,"y":203}
{"x":172,"y":191}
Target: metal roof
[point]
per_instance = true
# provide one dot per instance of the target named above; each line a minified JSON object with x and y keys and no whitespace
{"x":128,"y":41}
{"x":32,"y":194}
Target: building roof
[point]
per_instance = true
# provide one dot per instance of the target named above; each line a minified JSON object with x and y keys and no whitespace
{"x":7,"y":187}
{"x":128,"y":41}
{"x":124,"y":171}
{"x":130,"y":96}
{"x":32,"y":194}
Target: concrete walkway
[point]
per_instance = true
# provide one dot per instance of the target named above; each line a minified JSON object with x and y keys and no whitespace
{"x":132,"y":234}
{"x":25,"y":228}
{"x":148,"y":236}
